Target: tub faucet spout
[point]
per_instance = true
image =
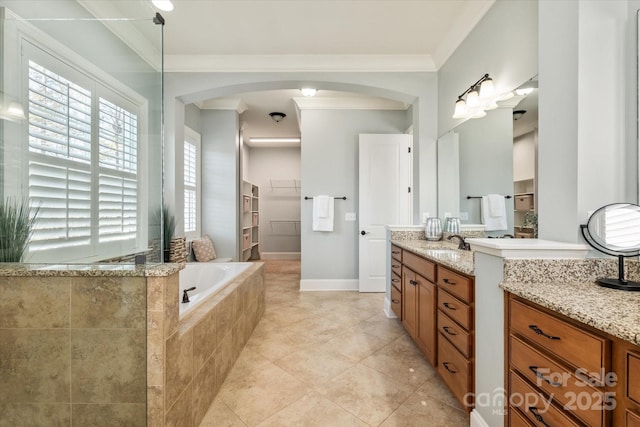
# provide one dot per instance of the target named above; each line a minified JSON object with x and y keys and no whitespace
{"x":185,"y":295}
{"x":462,"y":245}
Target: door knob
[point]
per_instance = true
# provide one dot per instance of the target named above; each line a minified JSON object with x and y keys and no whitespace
{"x":364,"y":232}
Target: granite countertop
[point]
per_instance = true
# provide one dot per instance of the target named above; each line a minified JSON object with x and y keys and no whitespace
{"x":609,"y":310}
{"x":442,"y":252}
{"x":89,"y":270}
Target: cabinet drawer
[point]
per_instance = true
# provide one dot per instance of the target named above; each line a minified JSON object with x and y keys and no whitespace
{"x":579,"y":348}
{"x":396,"y":253}
{"x":455,"y":309}
{"x":455,"y":371}
{"x":535,"y":406}
{"x":585,"y":401}
{"x":396,"y":267}
{"x":396,"y":281}
{"x":396,"y":302}
{"x":517,"y":419}
{"x":633,"y":377}
{"x":455,"y":284}
{"x":633,"y":419}
{"x":460,"y":338}
{"x":426,"y":269}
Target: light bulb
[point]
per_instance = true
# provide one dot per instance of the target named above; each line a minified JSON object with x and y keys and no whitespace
{"x":461,"y":109}
{"x":487,"y":90}
{"x":473,"y":99}
{"x":307,"y":91}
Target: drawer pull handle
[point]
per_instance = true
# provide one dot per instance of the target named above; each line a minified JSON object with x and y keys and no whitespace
{"x":537,"y":416}
{"x":395,"y":266}
{"x":446,"y":366}
{"x":395,"y":280}
{"x":448,"y":282}
{"x":395,"y":252}
{"x":446,"y":329}
{"x":395,"y":301}
{"x":539,"y":331}
{"x":534,"y":369}
{"x":449,"y":306}
{"x":413,"y":282}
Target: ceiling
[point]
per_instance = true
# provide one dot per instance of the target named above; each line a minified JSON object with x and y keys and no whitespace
{"x":299,"y":35}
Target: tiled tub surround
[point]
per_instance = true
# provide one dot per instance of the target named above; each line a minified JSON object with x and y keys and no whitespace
{"x":189,"y":358}
{"x":87,"y":343}
{"x":569,"y":287}
{"x":73,"y":344}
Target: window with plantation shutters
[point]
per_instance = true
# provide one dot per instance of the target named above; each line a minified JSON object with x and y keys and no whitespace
{"x":191,"y":184}
{"x":82,"y":164}
{"x":60,"y":123}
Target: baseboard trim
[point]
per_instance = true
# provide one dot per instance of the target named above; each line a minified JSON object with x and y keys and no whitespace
{"x":387,"y":309}
{"x":329,"y":284}
{"x":476,"y":420}
{"x":280,"y":255}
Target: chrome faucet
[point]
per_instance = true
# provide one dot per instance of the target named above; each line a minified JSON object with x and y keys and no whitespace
{"x":462,"y":245}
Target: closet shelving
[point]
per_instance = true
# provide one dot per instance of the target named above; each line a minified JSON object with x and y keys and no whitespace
{"x":250,"y":231}
{"x":524,"y":205}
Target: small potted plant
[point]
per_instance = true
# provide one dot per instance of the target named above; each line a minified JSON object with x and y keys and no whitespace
{"x":17,"y":222}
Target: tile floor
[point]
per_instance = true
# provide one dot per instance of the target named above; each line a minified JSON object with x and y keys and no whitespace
{"x":330,"y":359}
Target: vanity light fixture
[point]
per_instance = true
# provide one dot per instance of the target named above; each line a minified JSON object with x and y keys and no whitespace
{"x":517,"y":114}
{"x":480,"y":97}
{"x":277,"y":116}
{"x":308,"y":91}
{"x":164,"y":5}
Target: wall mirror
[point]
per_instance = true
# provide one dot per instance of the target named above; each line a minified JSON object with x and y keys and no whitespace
{"x":615,"y":230}
{"x":496,"y":154}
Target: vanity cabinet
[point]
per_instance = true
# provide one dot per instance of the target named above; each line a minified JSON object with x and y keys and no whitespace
{"x":396,"y":281}
{"x":436,"y":310}
{"x":419,"y":303}
{"x":456,"y":333}
{"x":572,"y":374}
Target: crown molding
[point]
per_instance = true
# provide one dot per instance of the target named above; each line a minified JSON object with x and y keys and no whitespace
{"x":298,"y":63}
{"x":223,"y":104}
{"x":348,"y":103}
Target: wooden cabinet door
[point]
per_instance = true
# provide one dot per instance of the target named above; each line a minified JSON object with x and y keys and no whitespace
{"x":426,"y":334}
{"x":409,"y":299}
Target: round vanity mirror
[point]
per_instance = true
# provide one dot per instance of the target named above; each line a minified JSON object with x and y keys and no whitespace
{"x":615,"y":230}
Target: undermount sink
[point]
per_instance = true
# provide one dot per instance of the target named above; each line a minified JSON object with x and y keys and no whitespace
{"x":448,"y":254}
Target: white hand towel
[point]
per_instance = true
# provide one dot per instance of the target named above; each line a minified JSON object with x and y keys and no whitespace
{"x":496,"y":205}
{"x":320,"y":222}
{"x":492,"y":223}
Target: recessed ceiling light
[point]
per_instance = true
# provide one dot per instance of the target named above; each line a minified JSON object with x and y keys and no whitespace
{"x":165,"y":5}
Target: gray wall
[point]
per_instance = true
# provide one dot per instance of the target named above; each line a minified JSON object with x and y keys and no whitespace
{"x":220,"y":180}
{"x":586,"y":125}
{"x":330,"y":166}
{"x":503,"y":44}
{"x":486,"y":162}
{"x":279,"y":166}
{"x":192,"y":117}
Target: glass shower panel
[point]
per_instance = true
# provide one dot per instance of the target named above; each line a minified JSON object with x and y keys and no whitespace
{"x":80,"y":134}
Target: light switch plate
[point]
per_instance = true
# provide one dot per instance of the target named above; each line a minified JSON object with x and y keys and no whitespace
{"x":350,"y":216}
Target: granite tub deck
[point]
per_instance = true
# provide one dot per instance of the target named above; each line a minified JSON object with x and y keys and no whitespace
{"x":569,"y":287}
{"x":80,"y":344}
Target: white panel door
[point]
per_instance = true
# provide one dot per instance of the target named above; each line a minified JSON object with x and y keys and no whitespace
{"x":384,"y":198}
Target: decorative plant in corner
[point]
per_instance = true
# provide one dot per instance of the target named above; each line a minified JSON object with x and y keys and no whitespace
{"x":168,"y":230}
{"x":17,"y":222}
{"x":531,"y":221}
